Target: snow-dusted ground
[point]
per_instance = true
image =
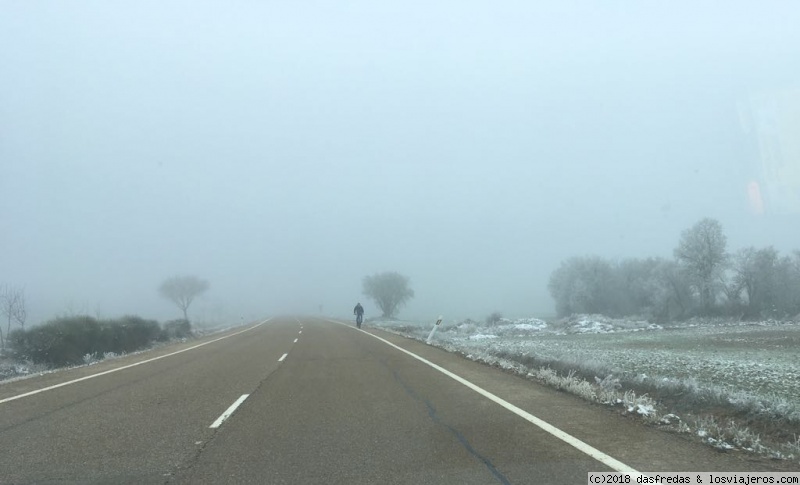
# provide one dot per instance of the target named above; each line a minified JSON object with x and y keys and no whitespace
{"x":759,"y":358}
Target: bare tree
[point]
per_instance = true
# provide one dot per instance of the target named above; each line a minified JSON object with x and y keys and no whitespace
{"x":12,"y":307}
{"x":701,"y":251}
{"x":674,"y":294}
{"x":756,"y":275}
{"x":389,"y":290}
{"x":182,"y":290}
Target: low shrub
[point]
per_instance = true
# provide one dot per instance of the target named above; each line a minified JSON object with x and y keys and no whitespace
{"x":67,"y":340}
{"x":137,"y":333}
{"x":176,"y":329}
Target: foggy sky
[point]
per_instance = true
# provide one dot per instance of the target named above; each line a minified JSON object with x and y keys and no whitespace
{"x":284,"y":150}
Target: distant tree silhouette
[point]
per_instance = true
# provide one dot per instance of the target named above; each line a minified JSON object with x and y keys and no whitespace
{"x":389,"y":290}
{"x":182,"y":290}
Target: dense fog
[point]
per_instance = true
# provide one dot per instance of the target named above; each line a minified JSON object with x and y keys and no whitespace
{"x":282,"y":151}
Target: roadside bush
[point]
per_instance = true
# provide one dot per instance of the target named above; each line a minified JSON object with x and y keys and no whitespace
{"x":65,"y":341}
{"x":175,"y":329}
{"x":137,"y":333}
{"x":58,"y":342}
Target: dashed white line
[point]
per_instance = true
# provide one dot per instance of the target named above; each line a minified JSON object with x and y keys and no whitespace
{"x":50,"y":388}
{"x":598,"y":455}
{"x":282,"y":357}
{"x":295,"y":340}
{"x":229,"y":411}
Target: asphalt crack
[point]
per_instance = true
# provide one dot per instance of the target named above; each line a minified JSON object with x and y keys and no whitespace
{"x":436,"y":418}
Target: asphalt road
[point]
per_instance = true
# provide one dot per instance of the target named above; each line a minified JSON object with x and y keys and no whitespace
{"x":319,"y":402}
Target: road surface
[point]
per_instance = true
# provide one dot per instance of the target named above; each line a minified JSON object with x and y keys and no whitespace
{"x":309,"y":400}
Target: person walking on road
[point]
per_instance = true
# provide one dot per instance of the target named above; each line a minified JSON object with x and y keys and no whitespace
{"x":358,"y":311}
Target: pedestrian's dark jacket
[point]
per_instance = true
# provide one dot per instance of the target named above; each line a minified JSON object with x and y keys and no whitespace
{"x":358,"y":310}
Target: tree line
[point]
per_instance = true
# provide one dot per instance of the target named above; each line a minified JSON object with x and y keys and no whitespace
{"x":703,"y":279}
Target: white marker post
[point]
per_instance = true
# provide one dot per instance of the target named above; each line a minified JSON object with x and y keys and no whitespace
{"x":433,"y":330}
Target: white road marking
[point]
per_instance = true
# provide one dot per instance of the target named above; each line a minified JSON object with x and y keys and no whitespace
{"x":300,"y":331}
{"x":598,"y":455}
{"x":282,"y":357}
{"x":50,"y":388}
{"x":295,"y":340}
{"x":229,"y":411}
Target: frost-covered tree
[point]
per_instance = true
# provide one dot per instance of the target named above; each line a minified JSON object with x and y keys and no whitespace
{"x":787,"y":286}
{"x":563,"y":285}
{"x":389,"y":290}
{"x":182,"y":290}
{"x":12,"y":307}
{"x":702,"y":253}
{"x":638,"y":286}
{"x":770,"y":284}
{"x":583,"y":285}
{"x":673,"y":299}
{"x":756,"y":274}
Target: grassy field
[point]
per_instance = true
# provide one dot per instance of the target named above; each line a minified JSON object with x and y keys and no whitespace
{"x":759,"y":360}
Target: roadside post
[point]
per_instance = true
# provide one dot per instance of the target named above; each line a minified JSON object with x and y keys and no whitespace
{"x":433,"y":330}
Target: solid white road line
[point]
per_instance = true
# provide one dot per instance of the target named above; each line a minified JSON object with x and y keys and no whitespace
{"x":31,"y":393}
{"x":229,"y":411}
{"x":282,"y":357}
{"x":598,"y":455}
